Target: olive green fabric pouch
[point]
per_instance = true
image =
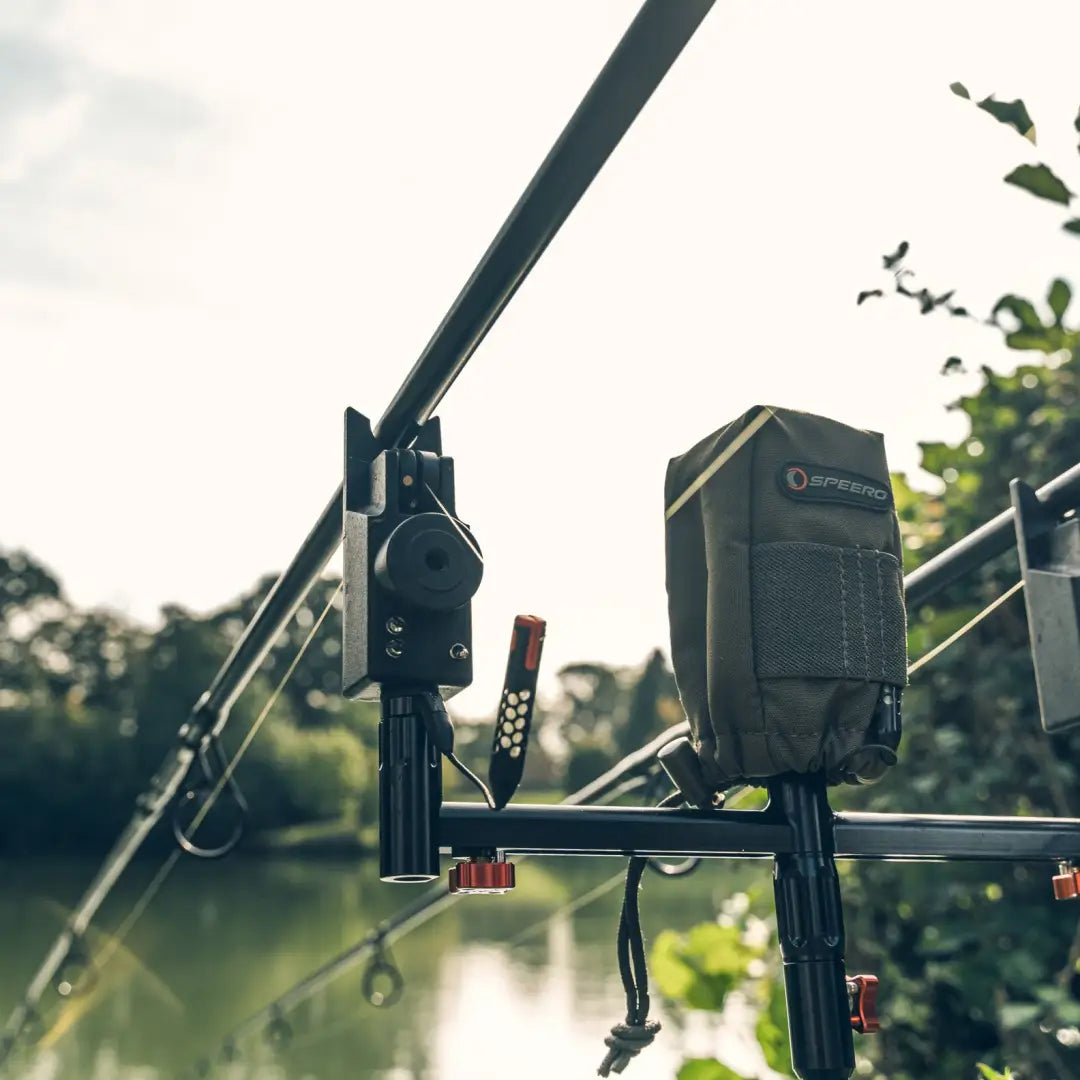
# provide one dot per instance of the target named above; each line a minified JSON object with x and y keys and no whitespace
{"x":785,"y":593}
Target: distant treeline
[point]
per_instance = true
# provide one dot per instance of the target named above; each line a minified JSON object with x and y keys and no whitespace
{"x":90,"y":702}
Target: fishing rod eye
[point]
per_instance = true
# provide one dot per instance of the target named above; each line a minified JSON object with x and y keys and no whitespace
{"x":76,"y":973}
{"x":279,"y":1031}
{"x":229,"y":1052}
{"x":676,"y":869}
{"x":382,"y":969}
{"x":201,"y":807}
{"x":225,"y":823}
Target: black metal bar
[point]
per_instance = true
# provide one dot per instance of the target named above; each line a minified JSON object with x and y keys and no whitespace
{"x":602,"y":830}
{"x":930,"y":836}
{"x":810,"y":927}
{"x":566,"y":830}
{"x":986,"y":542}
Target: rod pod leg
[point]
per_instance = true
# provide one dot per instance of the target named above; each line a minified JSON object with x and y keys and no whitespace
{"x":410,"y":791}
{"x":810,"y":925}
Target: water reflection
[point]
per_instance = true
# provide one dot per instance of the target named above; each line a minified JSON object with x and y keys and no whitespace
{"x":222,"y":940}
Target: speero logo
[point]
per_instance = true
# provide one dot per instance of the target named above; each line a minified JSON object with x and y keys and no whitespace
{"x":826,"y":483}
{"x":796,"y":478}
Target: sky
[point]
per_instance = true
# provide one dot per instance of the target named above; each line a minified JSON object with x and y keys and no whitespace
{"x":224,"y":221}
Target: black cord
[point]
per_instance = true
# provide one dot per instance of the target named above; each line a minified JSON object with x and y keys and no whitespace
{"x":470,"y":775}
{"x":628,"y":1039}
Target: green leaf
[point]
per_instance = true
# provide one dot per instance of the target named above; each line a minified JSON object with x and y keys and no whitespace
{"x":1023,"y":309}
{"x":1058,"y":298}
{"x":1072,"y":225}
{"x":891,"y":260}
{"x":772,"y":1028}
{"x":866,"y":294}
{"x":705,"y":1069}
{"x":1018,"y":1014}
{"x":701,"y":968}
{"x":1041,"y":181}
{"x":1026,"y":340}
{"x":1013,"y":114}
{"x":988,"y":1073}
{"x":960,"y":90}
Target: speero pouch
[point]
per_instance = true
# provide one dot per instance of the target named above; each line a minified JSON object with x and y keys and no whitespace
{"x":785,"y":596}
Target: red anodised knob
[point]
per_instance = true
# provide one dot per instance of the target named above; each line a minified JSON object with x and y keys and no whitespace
{"x":482,"y":877}
{"x":862,"y":996}
{"x":1065,"y":883}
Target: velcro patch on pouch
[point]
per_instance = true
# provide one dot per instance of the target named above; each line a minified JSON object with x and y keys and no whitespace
{"x":827,"y":612}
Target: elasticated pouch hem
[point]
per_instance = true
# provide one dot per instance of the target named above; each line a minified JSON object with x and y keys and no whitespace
{"x":785,"y":592}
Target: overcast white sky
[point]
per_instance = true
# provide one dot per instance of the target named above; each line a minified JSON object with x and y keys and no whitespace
{"x":222,"y":221}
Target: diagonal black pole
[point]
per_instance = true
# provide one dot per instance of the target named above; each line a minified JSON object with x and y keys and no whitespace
{"x":637,"y":66}
{"x":988,"y":541}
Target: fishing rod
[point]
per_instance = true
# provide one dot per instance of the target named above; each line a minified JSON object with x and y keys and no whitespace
{"x":635,"y":68}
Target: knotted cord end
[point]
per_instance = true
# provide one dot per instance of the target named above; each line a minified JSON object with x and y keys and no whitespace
{"x":624,"y":1044}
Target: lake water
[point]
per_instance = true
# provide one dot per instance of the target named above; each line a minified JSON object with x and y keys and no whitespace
{"x":223,"y":939}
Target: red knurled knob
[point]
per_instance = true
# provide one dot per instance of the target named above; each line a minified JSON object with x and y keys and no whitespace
{"x":1066,"y":886}
{"x":862,"y":994}
{"x":481,"y":877}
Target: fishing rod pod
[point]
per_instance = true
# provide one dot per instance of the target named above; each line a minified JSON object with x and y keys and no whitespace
{"x":785,"y":599}
{"x":410,"y":571}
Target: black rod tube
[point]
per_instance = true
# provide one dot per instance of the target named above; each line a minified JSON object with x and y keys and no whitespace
{"x":410,"y":792}
{"x":810,"y":928}
{"x":638,"y":65}
{"x":986,"y":542}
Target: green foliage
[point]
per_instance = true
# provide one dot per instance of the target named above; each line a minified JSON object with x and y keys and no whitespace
{"x":705,"y":1069}
{"x":1040,"y":180}
{"x":1058,"y":298}
{"x":89,"y":704}
{"x":1013,"y":114}
{"x":606,"y":712}
{"x":772,"y":1025}
{"x":588,"y":759}
{"x":978,"y":961}
{"x":701,"y":967}
{"x":987,"y":1073}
